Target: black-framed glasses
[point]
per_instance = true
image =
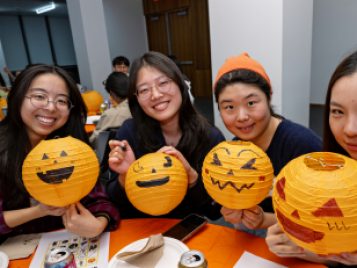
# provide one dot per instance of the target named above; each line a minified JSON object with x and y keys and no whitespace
{"x":145,"y":92}
{"x":61,"y":103}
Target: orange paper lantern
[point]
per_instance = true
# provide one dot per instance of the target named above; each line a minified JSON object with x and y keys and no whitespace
{"x":93,"y":99}
{"x":315,"y":199}
{"x":156,"y":183}
{"x":237,"y":174}
{"x":60,"y":172}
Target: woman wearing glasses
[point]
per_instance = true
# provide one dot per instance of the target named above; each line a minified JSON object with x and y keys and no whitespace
{"x":44,"y":103}
{"x":163,"y":120}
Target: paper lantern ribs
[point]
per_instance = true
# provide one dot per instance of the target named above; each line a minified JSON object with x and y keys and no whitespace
{"x":237,"y":174}
{"x":156,"y":183}
{"x":315,"y":199}
{"x":59,"y":172}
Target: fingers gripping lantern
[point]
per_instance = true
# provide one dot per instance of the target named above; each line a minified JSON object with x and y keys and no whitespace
{"x":156,"y":183}
{"x":237,"y":174}
{"x":315,"y":197}
{"x":59,"y":172}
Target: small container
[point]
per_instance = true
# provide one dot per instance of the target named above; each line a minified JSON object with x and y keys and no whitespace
{"x":60,"y":258}
{"x":193,"y":259}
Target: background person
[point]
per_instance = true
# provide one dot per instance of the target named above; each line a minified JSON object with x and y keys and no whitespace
{"x":117,"y":85}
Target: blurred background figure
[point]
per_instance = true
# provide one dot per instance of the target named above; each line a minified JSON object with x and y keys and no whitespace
{"x":116,"y":85}
{"x":121,"y":64}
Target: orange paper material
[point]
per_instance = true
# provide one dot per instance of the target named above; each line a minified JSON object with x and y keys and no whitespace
{"x":156,"y":183}
{"x":237,"y":174}
{"x":60,"y":172}
{"x":315,"y":199}
{"x":93,"y":99}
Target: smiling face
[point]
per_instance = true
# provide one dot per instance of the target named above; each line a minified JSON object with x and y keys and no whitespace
{"x":245,"y":111}
{"x":156,"y":183}
{"x":343,"y":113}
{"x":162,"y":106}
{"x":237,"y":174}
{"x":40,"y":122}
{"x":60,"y":172}
{"x":312,"y":198}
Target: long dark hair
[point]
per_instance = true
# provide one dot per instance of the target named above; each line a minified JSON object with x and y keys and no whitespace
{"x":194,"y":126}
{"x":246,"y":77}
{"x":14,"y":140}
{"x":347,"y":67}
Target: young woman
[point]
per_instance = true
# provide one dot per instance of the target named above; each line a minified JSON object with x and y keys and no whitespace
{"x":340,"y":136}
{"x":243,"y":92}
{"x":44,"y":103}
{"x":163,"y":120}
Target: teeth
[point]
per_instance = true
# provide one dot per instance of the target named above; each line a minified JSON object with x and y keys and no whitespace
{"x":45,"y":120}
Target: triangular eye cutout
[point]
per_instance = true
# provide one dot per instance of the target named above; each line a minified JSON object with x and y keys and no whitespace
{"x":168,"y":162}
{"x":216,"y":161}
{"x":280,"y":187}
{"x":45,"y":156}
{"x":63,"y":153}
{"x":329,"y":209}
{"x":249,"y":164}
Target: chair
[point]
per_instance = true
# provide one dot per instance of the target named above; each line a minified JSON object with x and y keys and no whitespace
{"x":102,"y":150}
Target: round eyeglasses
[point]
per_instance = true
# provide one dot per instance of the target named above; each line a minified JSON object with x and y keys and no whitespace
{"x":162,"y":86}
{"x":61,"y":103}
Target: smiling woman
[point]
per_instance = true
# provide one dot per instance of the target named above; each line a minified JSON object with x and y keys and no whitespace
{"x":164,"y":120}
{"x":45,"y":103}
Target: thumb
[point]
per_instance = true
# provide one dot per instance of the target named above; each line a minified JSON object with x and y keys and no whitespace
{"x":80,"y":208}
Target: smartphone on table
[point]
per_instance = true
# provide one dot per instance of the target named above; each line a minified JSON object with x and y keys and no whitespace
{"x":187,"y":227}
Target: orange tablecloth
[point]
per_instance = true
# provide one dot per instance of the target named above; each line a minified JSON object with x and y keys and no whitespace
{"x":222,"y":246}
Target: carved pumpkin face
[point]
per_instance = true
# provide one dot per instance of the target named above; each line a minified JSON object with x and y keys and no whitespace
{"x":237,"y":174}
{"x":60,"y":172}
{"x":156,"y":183}
{"x":315,"y":199}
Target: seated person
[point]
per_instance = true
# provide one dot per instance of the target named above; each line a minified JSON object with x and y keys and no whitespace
{"x":116,"y":85}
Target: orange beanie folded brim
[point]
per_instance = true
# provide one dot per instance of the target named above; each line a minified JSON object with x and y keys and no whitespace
{"x":243,"y":61}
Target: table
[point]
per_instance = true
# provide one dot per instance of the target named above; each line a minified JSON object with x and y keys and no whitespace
{"x":221,"y":245}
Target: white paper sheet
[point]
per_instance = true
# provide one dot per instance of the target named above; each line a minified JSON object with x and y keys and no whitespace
{"x":88,"y":253}
{"x":252,"y":261}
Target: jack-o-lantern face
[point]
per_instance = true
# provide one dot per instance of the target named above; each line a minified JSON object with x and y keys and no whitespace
{"x":237,"y":174}
{"x":57,"y":175}
{"x":156,"y":183}
{"x":314,"y":199}
{"x":60,"y":172}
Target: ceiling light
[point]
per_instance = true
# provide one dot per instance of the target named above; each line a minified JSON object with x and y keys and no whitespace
{"x":46,"y":8}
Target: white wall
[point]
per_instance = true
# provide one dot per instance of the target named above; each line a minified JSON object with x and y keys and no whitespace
{"x":277,"y":33}
{"x":90,"y":42}
{"x":297,"y":39}
{"x":334,"y":37}
{"x":247,"y":26}
{"x":126,"y":28}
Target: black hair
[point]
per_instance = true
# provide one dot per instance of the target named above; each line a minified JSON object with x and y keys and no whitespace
{"x":347,"y":67}
{"x":120,"y":60}
{"x":117,"y":85}
{"x":193,"y":125}
{"x":14,"y":139}
{"x":246,"y":77}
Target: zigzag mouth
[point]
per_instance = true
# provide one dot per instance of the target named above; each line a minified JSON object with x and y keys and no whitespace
{"x":153,"y":183}
{"x":224,"y":185}
{"x":56,"y":176}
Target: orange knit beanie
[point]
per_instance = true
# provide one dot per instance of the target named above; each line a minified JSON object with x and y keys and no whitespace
{"x":243,"y":61}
